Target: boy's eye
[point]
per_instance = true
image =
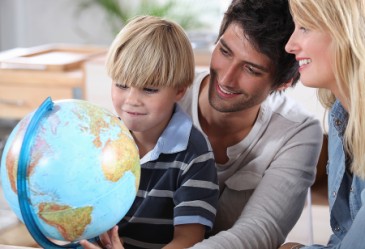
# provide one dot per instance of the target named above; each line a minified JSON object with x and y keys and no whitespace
{"x":121,"y":86}
{"x":150,"y":90}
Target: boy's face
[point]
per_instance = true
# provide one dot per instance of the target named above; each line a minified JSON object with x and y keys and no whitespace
{"x":145,"y":110}
{"x":241,"y":77}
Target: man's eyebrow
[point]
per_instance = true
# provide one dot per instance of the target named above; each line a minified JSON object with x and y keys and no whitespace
{"x":224,"y":44}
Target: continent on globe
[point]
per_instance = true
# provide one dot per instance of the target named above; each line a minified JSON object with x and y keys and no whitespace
{"x":68,"y":221}
{"x":114,"y":168}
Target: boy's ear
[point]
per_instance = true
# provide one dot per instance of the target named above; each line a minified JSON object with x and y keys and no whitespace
{"x":285,"y":85}
{"x":180,"y":92}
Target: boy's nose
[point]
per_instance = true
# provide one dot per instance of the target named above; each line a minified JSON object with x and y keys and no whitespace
{"x":133,"y":96}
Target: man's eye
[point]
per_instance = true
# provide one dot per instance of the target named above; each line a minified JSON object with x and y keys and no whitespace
{"x":121,"y":86}
{"x":150,"y":90}
{"x":223,"y":51}
{"x":252,"y":70}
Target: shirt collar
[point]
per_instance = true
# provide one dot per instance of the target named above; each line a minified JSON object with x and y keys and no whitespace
{"x":174,"y":138}
{"x":339,"y":117}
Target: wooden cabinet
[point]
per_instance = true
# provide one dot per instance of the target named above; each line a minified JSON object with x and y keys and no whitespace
{"x":29,"y":76}
{"x":23,"y":91}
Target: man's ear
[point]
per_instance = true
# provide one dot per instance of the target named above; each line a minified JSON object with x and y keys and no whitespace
{"x":285,"y":85}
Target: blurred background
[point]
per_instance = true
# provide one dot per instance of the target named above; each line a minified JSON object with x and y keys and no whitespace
{"x":26,"y":23}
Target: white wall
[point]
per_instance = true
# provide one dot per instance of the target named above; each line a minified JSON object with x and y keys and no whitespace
{"x":307,"y":97}
{"x":26,"y":23}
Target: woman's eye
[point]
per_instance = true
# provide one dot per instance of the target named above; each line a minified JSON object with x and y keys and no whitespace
{"x":150,"y":90}
{"x":304,"y":30}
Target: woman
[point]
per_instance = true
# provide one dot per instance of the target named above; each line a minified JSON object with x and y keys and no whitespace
{"x":329,"y":44}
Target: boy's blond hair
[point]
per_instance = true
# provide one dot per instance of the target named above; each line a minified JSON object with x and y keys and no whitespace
{"x":151,"y":51}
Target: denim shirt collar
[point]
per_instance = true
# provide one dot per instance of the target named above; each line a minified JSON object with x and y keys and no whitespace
{"x":339,"y":118}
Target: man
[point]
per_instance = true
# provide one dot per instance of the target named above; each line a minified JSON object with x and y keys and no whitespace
{"x":266,"y":147}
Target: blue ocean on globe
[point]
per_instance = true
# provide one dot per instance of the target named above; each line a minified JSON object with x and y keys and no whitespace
{"x":81,"y":173}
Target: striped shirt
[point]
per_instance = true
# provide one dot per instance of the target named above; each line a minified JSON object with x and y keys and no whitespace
{"x":178,"y":186}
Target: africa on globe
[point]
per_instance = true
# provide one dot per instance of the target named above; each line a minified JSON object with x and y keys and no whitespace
{"x":81,"y":172}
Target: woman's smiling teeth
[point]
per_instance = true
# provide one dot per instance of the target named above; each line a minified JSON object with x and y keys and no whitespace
{"x":304,"y":62}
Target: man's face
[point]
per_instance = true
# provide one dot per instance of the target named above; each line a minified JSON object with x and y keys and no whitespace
{"x":241,"y":77}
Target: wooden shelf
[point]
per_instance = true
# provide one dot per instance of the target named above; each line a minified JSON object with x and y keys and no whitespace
{"x":49,"y":57}
{"x":28,"y":76}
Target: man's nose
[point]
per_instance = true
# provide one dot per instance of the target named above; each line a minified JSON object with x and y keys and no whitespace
{"x":229,"y":76}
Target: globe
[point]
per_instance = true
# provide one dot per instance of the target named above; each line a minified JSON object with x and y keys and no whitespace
{"x":70,"y":171}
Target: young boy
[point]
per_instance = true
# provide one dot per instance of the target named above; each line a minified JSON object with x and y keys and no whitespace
{"x":151,"y":63}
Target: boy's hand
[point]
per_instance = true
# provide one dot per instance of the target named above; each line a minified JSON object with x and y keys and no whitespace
{"x":108,"y":240}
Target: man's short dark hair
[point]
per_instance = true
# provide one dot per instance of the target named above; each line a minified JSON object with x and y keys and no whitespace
{"x":267,"y":24}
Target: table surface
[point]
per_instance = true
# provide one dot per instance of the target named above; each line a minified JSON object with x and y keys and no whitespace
{"x":15,"y":247}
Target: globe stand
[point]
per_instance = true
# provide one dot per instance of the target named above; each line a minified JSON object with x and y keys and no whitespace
{"x":23,"y":198}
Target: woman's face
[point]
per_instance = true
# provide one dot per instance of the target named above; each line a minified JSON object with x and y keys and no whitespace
{"x":314,"y":51}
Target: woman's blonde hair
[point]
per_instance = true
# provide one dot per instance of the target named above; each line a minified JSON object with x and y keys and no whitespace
{"x":151,"y":51}
{"x":345,"y":22}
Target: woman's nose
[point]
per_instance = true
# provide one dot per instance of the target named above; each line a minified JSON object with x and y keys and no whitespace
{"x":290,"y":46}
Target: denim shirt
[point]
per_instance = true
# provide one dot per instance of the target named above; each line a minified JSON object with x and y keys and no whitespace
{"x":345,"y":190}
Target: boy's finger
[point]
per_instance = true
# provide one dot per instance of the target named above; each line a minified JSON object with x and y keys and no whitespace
{"x":88,"y":245}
